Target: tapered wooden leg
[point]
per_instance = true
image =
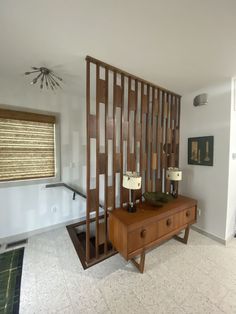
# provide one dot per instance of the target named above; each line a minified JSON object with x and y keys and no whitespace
{"x":185,"y":238}
{"x":140,"y":265}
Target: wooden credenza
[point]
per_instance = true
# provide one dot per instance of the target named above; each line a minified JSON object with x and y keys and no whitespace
{"x":133,"y":233}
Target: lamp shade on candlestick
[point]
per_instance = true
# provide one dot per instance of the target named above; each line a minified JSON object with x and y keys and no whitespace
{"x":174,"y":174}
{"x":132,"y":181}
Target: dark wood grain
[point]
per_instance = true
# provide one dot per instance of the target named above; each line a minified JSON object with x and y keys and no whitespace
{"x":103,"y":230}
{"x":89,"y":132}
{"x":100,"y":97}
{"x":155,"y":130}
{"x":122,"y":72}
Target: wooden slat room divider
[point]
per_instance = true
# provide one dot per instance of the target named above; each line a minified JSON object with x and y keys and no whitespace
{"x":132,"y":125}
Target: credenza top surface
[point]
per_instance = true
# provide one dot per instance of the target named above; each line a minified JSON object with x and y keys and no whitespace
{"x":146,"y":212}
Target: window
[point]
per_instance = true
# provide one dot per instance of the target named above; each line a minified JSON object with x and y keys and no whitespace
{"x":27,"y":146}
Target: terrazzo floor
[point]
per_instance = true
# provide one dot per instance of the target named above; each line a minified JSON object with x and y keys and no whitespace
{"x":196,"y":278}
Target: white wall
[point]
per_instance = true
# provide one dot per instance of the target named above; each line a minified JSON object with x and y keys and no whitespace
{"x":30,"y":207}
{"x":209,"y":185}
{"x":231,"y":212}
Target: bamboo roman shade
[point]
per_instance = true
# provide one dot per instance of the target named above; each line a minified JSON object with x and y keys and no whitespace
{"x":27,"y":145}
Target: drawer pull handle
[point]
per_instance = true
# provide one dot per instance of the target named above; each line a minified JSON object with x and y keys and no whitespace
{"x":143,"y":233}
{"x":188,"y":213}
{"x":168,"y":222}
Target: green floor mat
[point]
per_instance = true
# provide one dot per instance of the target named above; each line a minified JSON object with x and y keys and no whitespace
{"x":10,"y":280}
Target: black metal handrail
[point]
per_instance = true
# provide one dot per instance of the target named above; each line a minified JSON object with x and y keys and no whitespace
{"x":55,"y":185}
{"x":62,"y":184}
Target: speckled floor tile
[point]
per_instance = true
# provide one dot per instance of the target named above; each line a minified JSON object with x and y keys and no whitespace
{"x":199,"y":303}
{"x":164,"y":307}
{"x":196,"y":278}
{"x":228,"y":304}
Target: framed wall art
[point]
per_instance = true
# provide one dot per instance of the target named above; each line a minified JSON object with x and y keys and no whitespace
{"x":200,"y":150}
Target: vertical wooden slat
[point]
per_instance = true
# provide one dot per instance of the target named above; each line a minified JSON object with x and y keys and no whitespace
{"x":171,"y":112}
{"x":176,"y":150}
{"x":87,"y":253}
{"x":106,"y":163}
{"x":164,"y":108}
{"x":147,"y":142}
{"x":121,"y":140}
{"x":173,"y":131}
{"x":169,"y":157}
{"x":150,"y":107}
{"x":141,"y":140}
{"x":158,"y":181}
{"x":161,"y":140}
{"x":177,"y":136}
{"x":175,"y":112}
{"x":153,"y":139}
{"x":97,"y":163}
{"x":164,"y":140}
{"x":114,"y":141}
{"x":128,"y":138}
{"x":167,"y":182}
{"x":135,"y":123}
{"x":135,"y":132}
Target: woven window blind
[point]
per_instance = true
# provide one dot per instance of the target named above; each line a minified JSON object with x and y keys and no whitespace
{"x":27,"y":145}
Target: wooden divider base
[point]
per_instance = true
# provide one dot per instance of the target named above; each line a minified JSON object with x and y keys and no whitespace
{"x":79,"y":242}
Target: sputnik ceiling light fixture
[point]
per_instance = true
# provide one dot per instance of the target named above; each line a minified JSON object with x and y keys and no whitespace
{"x":46,"y":77}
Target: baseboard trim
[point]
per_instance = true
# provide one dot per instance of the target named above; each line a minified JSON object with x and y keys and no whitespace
{"x":210,"y":235}
{"x":28,"y":234}
{"x":229,"y":239}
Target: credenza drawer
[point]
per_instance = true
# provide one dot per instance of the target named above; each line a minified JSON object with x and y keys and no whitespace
{"x":142,"y":236}
{"x":167,"y":225}
{"x":188,"y":215}
{"x":149,"y":233}
{"x":133,"y":234}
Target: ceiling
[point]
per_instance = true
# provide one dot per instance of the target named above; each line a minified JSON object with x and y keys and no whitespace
{"x":182,"y":45}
